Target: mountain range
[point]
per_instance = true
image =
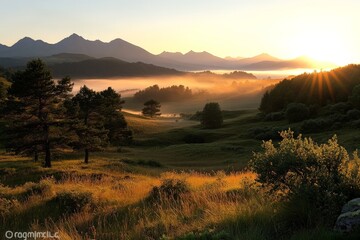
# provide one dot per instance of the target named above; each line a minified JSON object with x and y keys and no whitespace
{"x":82,"y":49}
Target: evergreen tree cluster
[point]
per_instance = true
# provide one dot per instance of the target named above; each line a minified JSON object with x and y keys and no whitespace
{"x":167,"y":94}
{"x":42,"y":115}
{"x":318,"y":88}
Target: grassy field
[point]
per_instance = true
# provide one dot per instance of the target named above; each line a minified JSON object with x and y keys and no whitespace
{"x":161,"y":187}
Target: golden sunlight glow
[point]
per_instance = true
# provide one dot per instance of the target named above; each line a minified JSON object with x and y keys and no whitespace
{"x":322,"y":45}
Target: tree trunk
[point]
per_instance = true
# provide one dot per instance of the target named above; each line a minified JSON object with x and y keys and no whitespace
{"x":36,"y":155}
{"x":86,"y":155}
{"x":47,"y":155}
{"x":47,"y":147}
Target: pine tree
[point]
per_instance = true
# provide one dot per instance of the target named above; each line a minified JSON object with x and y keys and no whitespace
{"x":212,"y":116}
{"x":151,"y":109}
{"x":88,"y":125}
{"x":35,"y":110}
{"x":110,"y":105}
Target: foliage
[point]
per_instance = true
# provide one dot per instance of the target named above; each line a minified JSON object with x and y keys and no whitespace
{"x":354,"y":98}
{"x":151,"y":109}
{"x":267,"y":133}
{"x":296,"y":112}
{"x":340,"y":107}
{"x":353,"y":114}
{"x":166,"y":94}
{"x":71,"y":201}
{"x":316,"y":125}
{"x":320,"y":88}
{"x":88,"y":125}
{"x":34,"y":110}
{"x":299,"y":167}
{"x":97,"y":118}
{"x":170,"y":189}
{"x":3,"y":94}
{"x":109,"y":106}
{"x":212,"y":116}
{"x":274,"y":116}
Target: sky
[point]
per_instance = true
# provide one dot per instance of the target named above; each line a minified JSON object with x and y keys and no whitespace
{"x":325,"y":30}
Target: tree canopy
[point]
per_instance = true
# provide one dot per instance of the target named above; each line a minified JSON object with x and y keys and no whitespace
{"x":212,"y":116}
{"x":35,"y":110}
{"x":151,"y":109}
{"x":167,"y":94}
{"x":41,"y":114}
{"x":320,"y":88}
{"x":88,"y":124}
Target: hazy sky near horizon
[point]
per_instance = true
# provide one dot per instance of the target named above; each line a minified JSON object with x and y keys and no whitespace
{"x":327,"y":30}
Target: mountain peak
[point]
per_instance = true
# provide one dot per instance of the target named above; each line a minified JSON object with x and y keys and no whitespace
{"x":191,"y":52}
{"x":118,"y":40}
{"x":74,"y":36}
{"x":264,"y":55}
{"x":24,"y":41}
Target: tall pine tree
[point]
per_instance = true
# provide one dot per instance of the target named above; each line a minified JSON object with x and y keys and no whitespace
{"x":110,"y":105}
{"x":88,"y":125}
{"x":35,"y":110}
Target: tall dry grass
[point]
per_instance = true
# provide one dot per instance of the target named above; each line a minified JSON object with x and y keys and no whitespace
{"x":119,"y":206}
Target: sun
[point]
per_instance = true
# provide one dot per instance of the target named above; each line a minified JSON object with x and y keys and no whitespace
{"x":323,"y":45}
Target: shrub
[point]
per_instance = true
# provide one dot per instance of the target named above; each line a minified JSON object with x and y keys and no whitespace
{"x":274,"y":116}
{"x":267,"y":133}
{"x":71,"y":201}
{"x":356,"y":124}
{"x":316,"y":125}
{"x":338,"y":117}
{"x":170,"y":189}
{"x":314,"y":110}
{"x":299,"y":167}
{"x":42,"y":188}
{"x":296,"y":112}
{"x":341,"y":107}
{"x":8,"y":205}
{"x":353,"y":114}
{"x":212,"y":116}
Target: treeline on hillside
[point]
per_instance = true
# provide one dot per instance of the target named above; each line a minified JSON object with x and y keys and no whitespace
{"x":41,"y":115}
{"x":321,"y":101}
{"x":231,"y":75}
{"x":318,"y":88}
{"x":166,"y":94}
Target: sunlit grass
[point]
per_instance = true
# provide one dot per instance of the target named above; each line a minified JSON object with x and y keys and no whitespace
{"x":119,"y":208}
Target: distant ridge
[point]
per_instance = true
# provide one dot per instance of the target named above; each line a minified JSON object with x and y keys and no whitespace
{"x":108,"y":68}
{"x":123,"y":50}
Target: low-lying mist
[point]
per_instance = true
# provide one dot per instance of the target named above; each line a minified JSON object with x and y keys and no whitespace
{"x":231,"y":93}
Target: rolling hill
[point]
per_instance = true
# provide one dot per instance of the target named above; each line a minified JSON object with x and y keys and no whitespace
{"x":108,"y":68}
